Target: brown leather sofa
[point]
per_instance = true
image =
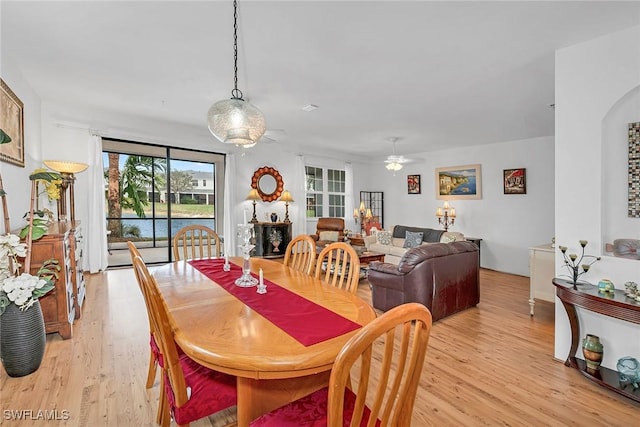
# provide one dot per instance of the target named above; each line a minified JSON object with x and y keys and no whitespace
{"x":329,"y":224}
{"x":445,"y":277}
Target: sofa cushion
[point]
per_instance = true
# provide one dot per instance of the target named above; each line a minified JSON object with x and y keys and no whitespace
{"x":396,"y":250}
{"x":428,"y":235}
{"x":329,"y":236}
{"x":383,"y":237}
{"x":412,"y":239}
{"x":377,"y":247}
{"x":447,"y":238}
{"x":397,"y":242}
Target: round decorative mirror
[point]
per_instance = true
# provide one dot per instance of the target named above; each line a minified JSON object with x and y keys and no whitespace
{"x":268,"y":182}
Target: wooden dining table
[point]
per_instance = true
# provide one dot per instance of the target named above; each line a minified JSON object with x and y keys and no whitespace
{"x":218,"y":330}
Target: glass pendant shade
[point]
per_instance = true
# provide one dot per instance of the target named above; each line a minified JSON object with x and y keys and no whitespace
{"x":235,"y":121}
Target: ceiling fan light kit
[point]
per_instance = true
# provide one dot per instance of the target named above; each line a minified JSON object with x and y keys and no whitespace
{"x":236,"y":121}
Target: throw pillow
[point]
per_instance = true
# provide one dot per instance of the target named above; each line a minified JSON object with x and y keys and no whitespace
{"x":412,"y":240}
{"x":383,"y":237}
{"x":448,"y":239}
{"x":328,"y":236}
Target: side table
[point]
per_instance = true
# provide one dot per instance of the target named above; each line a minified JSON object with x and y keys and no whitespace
{"x":356,"y":240}
{"x":618,"y":306}
{"x":477,"y":241}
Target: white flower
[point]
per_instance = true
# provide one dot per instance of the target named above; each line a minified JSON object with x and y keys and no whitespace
{"x":10,"y":245}
{"x":20,"y":289}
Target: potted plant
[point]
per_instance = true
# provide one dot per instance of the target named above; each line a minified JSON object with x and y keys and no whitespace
{"x":22,"y":332}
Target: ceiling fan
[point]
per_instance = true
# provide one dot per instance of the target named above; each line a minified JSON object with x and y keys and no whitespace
{"x":272,"y":135}
{"x":395,"y":162}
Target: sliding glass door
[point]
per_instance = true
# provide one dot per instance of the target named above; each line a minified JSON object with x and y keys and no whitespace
{"x":154,"y":191}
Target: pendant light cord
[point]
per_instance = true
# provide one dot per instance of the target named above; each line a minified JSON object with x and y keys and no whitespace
{"x":235,"y":93}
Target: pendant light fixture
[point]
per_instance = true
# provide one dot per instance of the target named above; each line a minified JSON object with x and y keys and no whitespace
{"x":394,"y":162}
{"x":236,"y":121}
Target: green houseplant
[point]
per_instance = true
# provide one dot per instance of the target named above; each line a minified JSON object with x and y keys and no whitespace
{"x":22,"y":332}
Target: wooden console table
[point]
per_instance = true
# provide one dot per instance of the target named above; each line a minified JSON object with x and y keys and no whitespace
{"x":618,"y":306}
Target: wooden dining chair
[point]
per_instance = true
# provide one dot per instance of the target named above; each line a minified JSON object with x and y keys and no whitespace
{"x":301,"y":254}
{"x":154,"y":353}
{"x":339,"y":265}
{"x":191,"y":391}
{"x":196,"y":242}
{"x":384,"y":361}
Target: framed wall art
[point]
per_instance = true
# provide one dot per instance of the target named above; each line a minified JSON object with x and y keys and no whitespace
{"x":11,"y":126}
{"x":413,"y":184}
{"x":515,"y":181}
{"x":459,"y":182}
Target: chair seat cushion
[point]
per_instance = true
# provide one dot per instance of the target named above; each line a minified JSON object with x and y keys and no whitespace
{"x":310,"y":411}
{"x":157,"y":355}
{"x":211,"y":392}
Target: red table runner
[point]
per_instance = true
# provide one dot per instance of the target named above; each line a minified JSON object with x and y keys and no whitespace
{"x":306,"y":321}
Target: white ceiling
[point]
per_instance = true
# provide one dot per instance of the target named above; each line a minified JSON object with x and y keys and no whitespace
{"x":434,"y":74}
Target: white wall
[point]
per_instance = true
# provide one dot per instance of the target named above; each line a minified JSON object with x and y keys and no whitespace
{"x":508,"y":224}
{"x":596,"y":94}
{"x":16,"y":179}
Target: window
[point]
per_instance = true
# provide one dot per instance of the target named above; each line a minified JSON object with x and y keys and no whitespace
{"x":153,"y":191}
{"x":325,"y":192}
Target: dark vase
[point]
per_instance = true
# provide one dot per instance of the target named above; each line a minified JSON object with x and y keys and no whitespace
{"x":592,"y":350}
{"x":274,"y":217}
{"x":22,"y":339}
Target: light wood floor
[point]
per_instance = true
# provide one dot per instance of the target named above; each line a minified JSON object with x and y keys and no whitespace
{"x":488,"y":366}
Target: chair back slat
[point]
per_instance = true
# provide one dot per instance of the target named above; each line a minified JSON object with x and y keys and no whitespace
{"x":396,"y":373}
{"x":196,"y":242}
{"x":339,"y":265}
{"x":164,"y":337}
{"x":301,"y":254}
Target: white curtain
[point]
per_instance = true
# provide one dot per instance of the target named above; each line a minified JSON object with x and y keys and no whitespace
{"x":230,"y":201}
{"x":298,"y":209}
{"x":95,"y":233}
{"x":349,"y":198}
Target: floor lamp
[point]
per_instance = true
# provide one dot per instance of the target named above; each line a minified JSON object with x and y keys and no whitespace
{"x":68,"y":171}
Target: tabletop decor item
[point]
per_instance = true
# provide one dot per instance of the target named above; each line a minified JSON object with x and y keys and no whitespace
{"x":629,"y":371}
{"x":245,"y":233}
{"x":631,"y":290}
{"x":592,"y":350}
{"x":573,"y":263}
{"x":274,"y":217}
{"x":606,"y":286}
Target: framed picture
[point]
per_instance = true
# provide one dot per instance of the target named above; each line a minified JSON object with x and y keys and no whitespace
{"x":459,"y":182}
{"x":515,"y":181}
{"x":413,"y":184}
{"x":11,"y":127}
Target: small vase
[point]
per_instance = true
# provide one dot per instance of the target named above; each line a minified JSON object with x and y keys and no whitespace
{"x":22,"y":339}
{"x":592,"y":350}
{"x":274,"y":217}
{"x":276,"y":246}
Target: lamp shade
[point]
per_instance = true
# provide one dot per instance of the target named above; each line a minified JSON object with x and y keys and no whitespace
{"x":253,"y":195}
{"x":235,"y":121}
{"x":286,"y":196}
{"x":65,"y":167}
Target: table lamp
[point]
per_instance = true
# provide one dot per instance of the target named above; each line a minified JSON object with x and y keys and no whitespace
{"x":254,"y":196}
{"x":67,"y":170}
{"x":446,"y":215}
{"x":286,"y":198}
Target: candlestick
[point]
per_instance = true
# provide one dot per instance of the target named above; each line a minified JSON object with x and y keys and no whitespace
{"x":262,"y":288}
{"x":227,"y":266}
{"x":244,"y":234}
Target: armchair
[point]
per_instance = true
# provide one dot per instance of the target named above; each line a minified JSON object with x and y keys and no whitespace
{"x":329,"y":230}
{"x":445,"y":277}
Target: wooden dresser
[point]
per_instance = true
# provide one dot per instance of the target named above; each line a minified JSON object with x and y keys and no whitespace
{"x":61,"y":306}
